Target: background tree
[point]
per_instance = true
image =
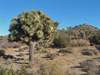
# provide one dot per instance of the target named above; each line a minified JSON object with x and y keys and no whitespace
{"x":33,"y":27}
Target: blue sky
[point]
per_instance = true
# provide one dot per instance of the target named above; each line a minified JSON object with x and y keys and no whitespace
{"x":67,"y":12}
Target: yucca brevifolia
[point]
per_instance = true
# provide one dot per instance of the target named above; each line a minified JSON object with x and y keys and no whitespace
{"x":32,"y":27}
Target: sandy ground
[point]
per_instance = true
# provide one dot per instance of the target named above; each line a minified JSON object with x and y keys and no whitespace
{"x":67,"y":61}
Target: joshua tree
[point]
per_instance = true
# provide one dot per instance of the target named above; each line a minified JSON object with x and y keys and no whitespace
{"x":33,"y":27}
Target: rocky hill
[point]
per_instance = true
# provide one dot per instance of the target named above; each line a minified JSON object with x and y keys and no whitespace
{"x":83,"y":31}
{"x":85,"y":27}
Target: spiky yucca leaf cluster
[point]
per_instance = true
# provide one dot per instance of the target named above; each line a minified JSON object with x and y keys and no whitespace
{"x":32,"y":26}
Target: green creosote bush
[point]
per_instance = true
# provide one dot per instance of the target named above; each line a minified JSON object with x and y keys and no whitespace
{"x":1,"y":37}
{"x":61,"y":41}
{"x":6,"y":71}
{"x":95,"y":38}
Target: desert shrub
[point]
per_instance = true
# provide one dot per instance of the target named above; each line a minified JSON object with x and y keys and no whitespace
{"x":88,"y":65}
{"x":1,"y":37}
{"x":89,"y":52}
{"x":51,"y":55}
{"x":61,"y":41}
{"x":79,"y":42}
{"x":6,"y":71}
{"x":95,"y":38}
{"x":2,"y":52}
{"x":98,"y":47}
{"x":91,"y":67}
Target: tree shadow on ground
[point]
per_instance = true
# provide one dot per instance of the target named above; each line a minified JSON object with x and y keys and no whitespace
{"x":80,"y":67}
{"x":2,"y":54}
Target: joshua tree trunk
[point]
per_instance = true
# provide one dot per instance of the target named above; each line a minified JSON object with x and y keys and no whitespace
{"x":32,"y":48}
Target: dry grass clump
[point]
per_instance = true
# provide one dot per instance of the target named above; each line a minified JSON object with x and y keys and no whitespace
{"x":50,"y":68}
{"x":79,"y":42}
